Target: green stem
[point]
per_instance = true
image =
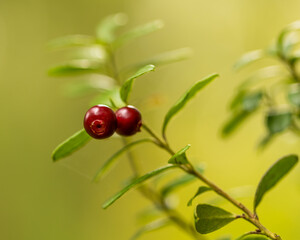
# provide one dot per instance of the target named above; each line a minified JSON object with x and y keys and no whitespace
{"x":188,"y":168}
{"x":146,"y":190}
{"x":290,"y":65}
{"x":159,"y":201}
{"x":133,"y":163}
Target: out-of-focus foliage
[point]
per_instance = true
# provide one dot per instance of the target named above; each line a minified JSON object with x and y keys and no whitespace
{"x":274,"y":90}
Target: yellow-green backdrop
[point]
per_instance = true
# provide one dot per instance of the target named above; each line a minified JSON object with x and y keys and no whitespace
{"x":41,"y":200}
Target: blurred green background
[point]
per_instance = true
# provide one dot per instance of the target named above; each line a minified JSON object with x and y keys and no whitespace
{"x":42,"y":200}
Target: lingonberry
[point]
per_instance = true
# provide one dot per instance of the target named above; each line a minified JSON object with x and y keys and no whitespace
{"x":129,"y":121}
{"x":100,"y":122}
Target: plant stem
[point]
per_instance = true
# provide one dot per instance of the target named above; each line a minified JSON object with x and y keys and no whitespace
{"x":159,"y":201}
{"x":159,"y":142}
{"x":290,"y":65}
{"x":113,"y":64}
{"x":172,"y":214}
{"x":146,"y":190}
{"x":188,"y":168}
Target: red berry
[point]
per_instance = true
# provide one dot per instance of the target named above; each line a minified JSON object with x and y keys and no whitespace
{"x":129,"y":121}
{"x":100,"y":122}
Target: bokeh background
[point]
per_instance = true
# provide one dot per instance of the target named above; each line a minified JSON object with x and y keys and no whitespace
{"x":43,"y":200}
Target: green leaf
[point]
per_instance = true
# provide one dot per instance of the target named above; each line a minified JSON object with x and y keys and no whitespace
{"x":162,"y":59}
{"x":265,"y":141}
{"x":209,"y":218}
{"x":237,"y":193}
{"x":127,"y":86}
{"x":237,"y":99}
{"x":175,"y":184}
{"x":71,"y":41}
{"x":149,"y":214}
{"x":199,"y":167}
{"x":112,"y":160}
{"x":235,"y":121}
{"x":180,"y":157}
{"x":224,"y":238}
{"x":276,"y":172}
{"x":78,"y":66}
{"x":136,"y":182}
{"x":185,"y":98}
{"x":294,"y":94}
{"x":85,"y":87}
{"x":263,"y":74}
{"x":200,"y":190}
{"x":79,"y":89}
{"x":72,"y":144}
{"x":251,"y":101}
{"x":289,"y":44}
{"x":155,"y":225}
{"x":248,"y":58}
{"x":278,"y":121}
{"x":105,"y":31}
{"x":294,"y":57}
{"x":246,"y":101}
{"x":253,"y":236}
{"x":93,"y":52}
{"x":138,"y":32}
{"x":281,"y":45}
{"x":106,"y":98}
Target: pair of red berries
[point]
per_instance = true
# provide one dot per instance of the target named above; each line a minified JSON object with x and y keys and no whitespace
{"x":101,"y":122}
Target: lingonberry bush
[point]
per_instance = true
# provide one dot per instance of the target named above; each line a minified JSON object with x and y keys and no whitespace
{"x":274,"y":89}
{"x":110,"y":112}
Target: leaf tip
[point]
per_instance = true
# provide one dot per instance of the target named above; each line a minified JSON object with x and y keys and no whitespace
{"x":105,"y":205}
{"x":54,"y":156}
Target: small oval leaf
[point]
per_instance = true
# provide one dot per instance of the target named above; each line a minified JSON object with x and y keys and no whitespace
{"x":273,"y":176}
{"x":78,"y":66}
{"x":248,"y":58}
{"x":136,"y":182}
{"x":262,"y":75}
{"x":127,"y":86}
{"x":154,"y":225}
{"x":178,"y":182}
{"x":162,"y":59}
{"x":237,"y":99}
{"x":252,"y":237}
{"x":185,"y":98}
{"x":72,"y":144}
{"x":294,"y":94}
{"x":138,"y":32}
{"x":234,"y":122}
{"x":251,"y":101}
{"x":224,"y":238}
{"x":278,"y":121}
{"x":175,"y":184}
{"x":281,"y":40}
{"x":210,"y":218}
{"x":112,"y":160}
{"x":105,"y":31}
{"x":88,"y":86}
{"x":200,"y":190}
{"x":71,"y":41}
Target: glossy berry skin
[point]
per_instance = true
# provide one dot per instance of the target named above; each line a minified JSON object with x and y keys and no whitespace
{"x":129,"y":121}
{"x":100,"y":122}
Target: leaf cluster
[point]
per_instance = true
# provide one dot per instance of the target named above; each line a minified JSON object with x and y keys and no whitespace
{"x":272,"y":90}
